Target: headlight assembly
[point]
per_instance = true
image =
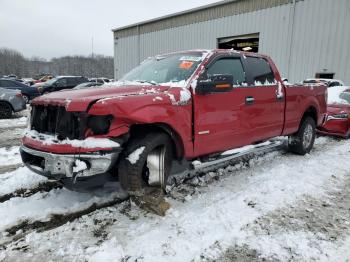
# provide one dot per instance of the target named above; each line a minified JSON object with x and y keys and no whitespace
{"x":99,"y":125}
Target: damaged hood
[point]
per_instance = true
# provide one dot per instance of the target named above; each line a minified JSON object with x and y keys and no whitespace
{"x":80,"y":100}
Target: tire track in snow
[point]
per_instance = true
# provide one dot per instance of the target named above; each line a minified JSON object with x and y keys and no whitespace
{"x":27,"y":192}
{"x":40,"y":221}
{"x":215,"y":213}
{"x":47,"y":210}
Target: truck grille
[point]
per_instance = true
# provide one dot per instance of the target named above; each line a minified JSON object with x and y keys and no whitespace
{"x":56,"y":120}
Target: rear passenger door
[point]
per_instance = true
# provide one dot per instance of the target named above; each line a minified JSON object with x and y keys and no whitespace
{"x":264,"y":110}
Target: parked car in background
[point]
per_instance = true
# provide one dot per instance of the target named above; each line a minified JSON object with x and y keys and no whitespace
{"x":328,"y":82}
{"x":61,"y":82}
{"x":12,"y":76}
{"x":11,"y":101}
{"x":202,"y":105}
{"x":87,"y":85}
{"x":338,"y":113}
{"x":101,"y":80}
{"x":28,"y":92}
{"x":28,"y":81}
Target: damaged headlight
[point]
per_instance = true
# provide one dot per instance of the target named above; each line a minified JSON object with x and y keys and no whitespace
{"x":99,"y":125}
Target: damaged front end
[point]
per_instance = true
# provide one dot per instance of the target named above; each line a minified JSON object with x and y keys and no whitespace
{"x":70,"y":147}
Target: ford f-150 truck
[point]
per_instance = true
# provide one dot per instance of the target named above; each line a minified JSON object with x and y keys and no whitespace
{"x":179,"y":107}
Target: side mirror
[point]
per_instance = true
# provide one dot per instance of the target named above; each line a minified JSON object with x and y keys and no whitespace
{"x":215,"y":84}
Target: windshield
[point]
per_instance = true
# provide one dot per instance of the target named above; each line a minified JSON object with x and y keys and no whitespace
{"x":339,"y":95}
{"x":165,"y":69}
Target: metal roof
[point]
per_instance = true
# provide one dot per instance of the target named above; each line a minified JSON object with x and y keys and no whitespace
{"x":196,"y":15}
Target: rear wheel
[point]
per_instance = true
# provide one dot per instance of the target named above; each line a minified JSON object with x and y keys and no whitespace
{"x":5,"y":110}
{"x":302,"y":142}
{"x":145,"y":163}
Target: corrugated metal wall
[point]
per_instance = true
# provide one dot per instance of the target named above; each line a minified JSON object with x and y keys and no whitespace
{"x":320,"y":39}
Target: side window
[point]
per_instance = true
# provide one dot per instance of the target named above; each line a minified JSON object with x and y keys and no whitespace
{"x":72,"y":81}
{"x":61,"y":82}
{"x":334,"y":84}
{"x":259,"y":71}
{"x":7,"y":83}
{"x":228,"y":66}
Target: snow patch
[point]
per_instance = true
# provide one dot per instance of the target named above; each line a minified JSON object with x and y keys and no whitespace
{"x":185,"y":96}
{"x":244,"y":148}
{"x":79,"y":166}
{"x":334,"y":95}
{"x":135,"y":156}
{"x":90,"y":142}
{"x":10,"y":156}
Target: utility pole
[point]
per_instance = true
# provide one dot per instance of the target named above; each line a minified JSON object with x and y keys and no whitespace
{"x":92,"y":47}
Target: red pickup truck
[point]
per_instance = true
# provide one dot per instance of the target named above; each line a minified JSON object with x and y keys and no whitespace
{"x":178,"y":107}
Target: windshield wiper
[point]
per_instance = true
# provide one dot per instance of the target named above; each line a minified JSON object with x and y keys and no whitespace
{"x":146,"y":81}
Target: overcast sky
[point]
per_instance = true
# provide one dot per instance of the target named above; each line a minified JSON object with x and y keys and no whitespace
{"x":52,"y":28}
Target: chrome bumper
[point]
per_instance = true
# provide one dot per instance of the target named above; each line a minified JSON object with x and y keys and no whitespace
{"x":57,"y":166}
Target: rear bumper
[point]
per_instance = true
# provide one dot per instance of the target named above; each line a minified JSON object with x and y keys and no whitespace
{"x":95,"y":171}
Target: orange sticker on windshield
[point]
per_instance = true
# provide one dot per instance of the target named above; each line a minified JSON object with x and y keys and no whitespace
{"x":186,"y":65}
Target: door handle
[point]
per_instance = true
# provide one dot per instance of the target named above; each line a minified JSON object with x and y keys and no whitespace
{"x":249,"y":100}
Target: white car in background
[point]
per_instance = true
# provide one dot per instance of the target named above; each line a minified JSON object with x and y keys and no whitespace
{"x":328,"y":82}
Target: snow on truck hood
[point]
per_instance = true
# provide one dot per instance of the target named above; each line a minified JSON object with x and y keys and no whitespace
{"x":79,"y":100}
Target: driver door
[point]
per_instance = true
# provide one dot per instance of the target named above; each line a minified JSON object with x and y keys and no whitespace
{"x":217,"y":121}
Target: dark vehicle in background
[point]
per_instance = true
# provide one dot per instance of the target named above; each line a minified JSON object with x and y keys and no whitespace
{"x":28,"y":92}
{"x":338,"y":113}
{"x":10,"y":101}
{"x":328,"y":82}
{"x":87,"y":85}
{"x":60,"y":83}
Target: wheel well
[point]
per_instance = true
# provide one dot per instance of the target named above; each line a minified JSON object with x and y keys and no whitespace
{"x":178,"y":147}
{"x":312,"y":112}
{"x":7,"y":103}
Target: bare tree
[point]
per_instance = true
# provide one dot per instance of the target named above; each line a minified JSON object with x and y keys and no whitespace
{"x":13,"y":62}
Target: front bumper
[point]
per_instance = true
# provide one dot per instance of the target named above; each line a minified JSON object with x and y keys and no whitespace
{"x":64,"y":167}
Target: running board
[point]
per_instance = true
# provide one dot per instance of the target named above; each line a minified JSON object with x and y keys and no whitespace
{"x":259,"y":148}
{"x":186,"y":169}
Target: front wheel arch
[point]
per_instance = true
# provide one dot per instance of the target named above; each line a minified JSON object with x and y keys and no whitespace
{"x":178,"y":145}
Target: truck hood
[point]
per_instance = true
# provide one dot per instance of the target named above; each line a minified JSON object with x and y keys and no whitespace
{"x":79,"y":100}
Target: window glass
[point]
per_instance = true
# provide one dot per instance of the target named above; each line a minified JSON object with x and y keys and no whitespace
{"x":71,"y":81}
{"x":260,"y":71}
{"x":228,"y":66}
{"x":6,"y":83}
{"x":61,"y":82}
{"x":164,"y":69}
{"x":334,"y":84}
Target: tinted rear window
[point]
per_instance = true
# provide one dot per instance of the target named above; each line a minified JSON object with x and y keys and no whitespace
{"x":259,"y":71}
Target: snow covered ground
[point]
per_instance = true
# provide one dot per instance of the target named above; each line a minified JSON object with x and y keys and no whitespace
{"x":276,"y":207}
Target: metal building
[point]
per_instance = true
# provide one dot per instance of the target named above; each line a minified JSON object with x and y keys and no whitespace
{"x":306,"y":38}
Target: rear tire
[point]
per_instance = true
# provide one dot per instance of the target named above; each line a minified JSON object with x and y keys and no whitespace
{"x":145,"y":163}
{"x":302,"y":142}
{"x":5,"y":110}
